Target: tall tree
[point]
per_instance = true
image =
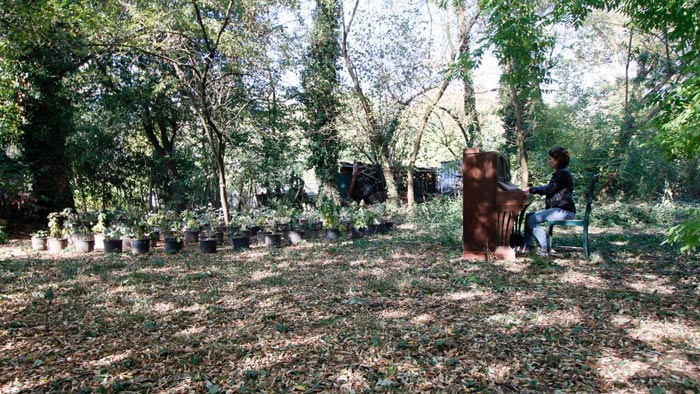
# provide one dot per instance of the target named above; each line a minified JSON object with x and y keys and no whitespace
{"x":517,"y":33}
{"x":460,"y":67}
{"x":320,"y":97}
{"x":215,"y":47}
{"x":43,"y":43}
{"x":387,"y":70}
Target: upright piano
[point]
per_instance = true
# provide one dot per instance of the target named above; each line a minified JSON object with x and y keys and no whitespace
{"x":490,"y":206}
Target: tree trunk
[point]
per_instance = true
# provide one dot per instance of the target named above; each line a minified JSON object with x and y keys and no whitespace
{"x":469,"y":97}
{"x":221,"y":169}
{"x":411,"y":198}
{"x":391,"y":190}
{"x":521,"y":136}
{"x":44,"y":145}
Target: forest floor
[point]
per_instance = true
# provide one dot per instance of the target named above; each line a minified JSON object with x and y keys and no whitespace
{"x":387,"y":313}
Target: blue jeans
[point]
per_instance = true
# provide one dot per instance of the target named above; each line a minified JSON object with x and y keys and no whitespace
{"x":532,"y":224}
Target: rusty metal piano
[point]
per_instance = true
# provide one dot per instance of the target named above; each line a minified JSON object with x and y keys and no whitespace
{"x":491,"y":205}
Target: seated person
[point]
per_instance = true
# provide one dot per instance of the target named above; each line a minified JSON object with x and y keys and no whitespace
{"x":559,"y":200}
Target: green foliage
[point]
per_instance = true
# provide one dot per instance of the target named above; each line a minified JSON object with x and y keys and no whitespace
{"x":637,"y":214}
{"x":320,"y":97}
{"x":439,"y":221}
{"x":686,"y":235}
{"x":330,"y":212}
{"x":3,"y":236}
{"x":680,"y":131}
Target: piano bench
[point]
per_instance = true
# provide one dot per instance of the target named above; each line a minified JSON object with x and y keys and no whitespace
{"x":576,"y":222}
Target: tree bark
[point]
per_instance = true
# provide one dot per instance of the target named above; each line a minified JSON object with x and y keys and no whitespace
{"x":521,"y":136}
{"x":370,"y":116}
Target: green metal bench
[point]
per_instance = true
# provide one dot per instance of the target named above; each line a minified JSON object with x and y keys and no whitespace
{"x":576,"y":222}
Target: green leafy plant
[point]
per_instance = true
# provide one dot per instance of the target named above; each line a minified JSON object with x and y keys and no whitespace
{"x":40,"y":234}
{"x":189,"y":219}
{"x":61,"y":224}
{"x":116,"y":231}
{"x":330,"y":213}
{"x":140,"y":228}
{"x":3,"y":235}
{"x":101,"y":226}
{"x":687,"y":234}
{"x":360,"y":215}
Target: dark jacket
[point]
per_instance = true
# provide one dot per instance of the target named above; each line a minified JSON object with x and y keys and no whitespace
{"x":559,"y":192}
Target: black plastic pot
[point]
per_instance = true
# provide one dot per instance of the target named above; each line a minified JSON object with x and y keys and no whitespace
{"x":113,"y":245}
{"x":384,"y":228}
{"x":356,"y":233}
{"x":191,"y":237}
{"x":373,"y":228}
{"x":173,"y":245}
{"x":273,"y":240}
{"x":207,"y":245}
{"x":140,"y":246}
{"x":155,"y":236}
{"x":240,"y":242}
{"x":332,"y":234}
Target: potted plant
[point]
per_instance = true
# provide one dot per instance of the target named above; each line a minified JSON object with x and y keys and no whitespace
{"x":330,"y":215}
{"x":80,"y":226}
{"x":209,"y":221}
{"x":212,"y":220}
{"x":388,"y":212}
{"x":39,"y":240}
{"x":173,"y":233}
{"x":112,"y":242}
{"x":359,"y":219}
{"x":156,"y":222}
{"x":238,"y":235}
{"x":99,"y":230}
{"x":141,"y":241}
{"x":295,"y":231}
{"x":310,"y":221}
{"x":57,"y":234}
{"x":191,"y":226}
{"x":270,"y":236}
{"x":374,"y":215}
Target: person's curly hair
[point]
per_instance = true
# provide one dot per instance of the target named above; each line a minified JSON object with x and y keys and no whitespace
{"x":561,"y":155}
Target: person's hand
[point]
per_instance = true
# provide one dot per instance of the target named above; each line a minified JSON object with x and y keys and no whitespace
{"x":526,"y":189}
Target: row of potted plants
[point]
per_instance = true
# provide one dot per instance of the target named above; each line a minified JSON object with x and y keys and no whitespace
{"x":119,"y":230}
